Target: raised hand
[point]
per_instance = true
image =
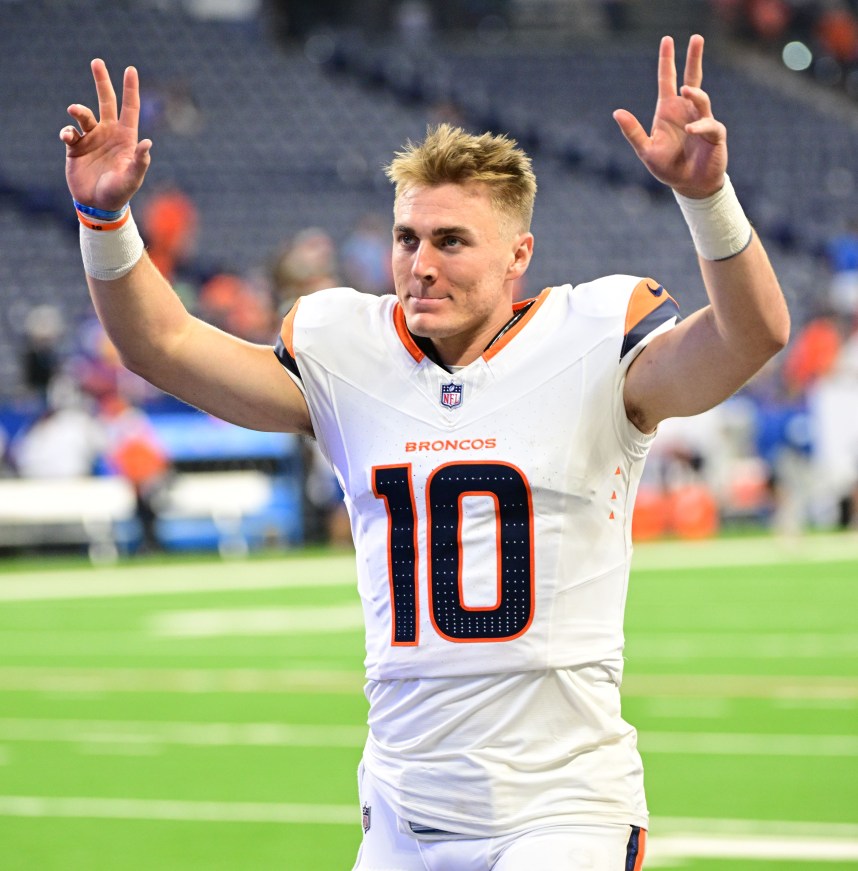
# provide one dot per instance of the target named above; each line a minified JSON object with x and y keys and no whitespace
{"x":687,"y":147}
{"x":105,"y":162}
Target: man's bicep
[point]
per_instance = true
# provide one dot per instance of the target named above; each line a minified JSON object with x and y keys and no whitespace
{"x":682,"y":372}
{"x":238,"y":381}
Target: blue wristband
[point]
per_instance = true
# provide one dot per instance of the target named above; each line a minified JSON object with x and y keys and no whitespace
{"x":100,"y":214}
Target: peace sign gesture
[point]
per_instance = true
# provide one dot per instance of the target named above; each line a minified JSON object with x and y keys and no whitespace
{"x":687,"y":148}
{"x":105,"y":163}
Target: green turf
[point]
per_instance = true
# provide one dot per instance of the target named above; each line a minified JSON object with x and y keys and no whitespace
{"x":97,"y":702}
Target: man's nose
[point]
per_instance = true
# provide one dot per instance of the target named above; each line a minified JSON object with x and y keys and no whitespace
{"x":424,"y":266}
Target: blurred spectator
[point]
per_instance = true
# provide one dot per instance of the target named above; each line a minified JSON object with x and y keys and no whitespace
{"x":5,"y":470}
{"x":837,"y":33}
{"x":171,"y":105}
{"x":785,"y":441}
{"x":811,"y":355}
{"x":134,"y":451}
{"x":169,"y":226}
{"x":233,"y":304}
{"x":833,"y":401}
{"x":66,"y":441}
{"x":181,"y":110}
{"x":96,"y":368}
{"x":731,"y":13}
{"x":768,"y":19}
{"x":43,"y":328}
{"x":325,"y":517}
{"x":365,"y":256}
{"x":307,"y":263}
{"x":842,"y":255}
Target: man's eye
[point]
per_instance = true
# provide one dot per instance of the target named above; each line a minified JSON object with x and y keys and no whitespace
{"x":452,"y":242}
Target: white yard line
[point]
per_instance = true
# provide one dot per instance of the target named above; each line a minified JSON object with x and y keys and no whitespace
{"x":220,"y":622}
{"x":160,"y":809}
{"x":175,"y":578}
{"x":771,"y":645}
{"x":143,"y":732}
{"x":674,"y":851}
{"x":807,"y":842}
{"x":726,"y":552}
{"x":746,"y":744}
{"x":749,"y":686}
{"x":48,"y":679}
{"x":181,"y":733}
{"x":150,"y":680}
{"x":339,"y":570}
{"x":756,"y":645}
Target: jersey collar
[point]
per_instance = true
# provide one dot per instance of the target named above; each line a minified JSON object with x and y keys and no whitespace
{"x":419,"y":347}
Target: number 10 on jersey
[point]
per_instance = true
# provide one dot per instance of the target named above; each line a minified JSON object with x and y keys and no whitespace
{"x":446,"y":489}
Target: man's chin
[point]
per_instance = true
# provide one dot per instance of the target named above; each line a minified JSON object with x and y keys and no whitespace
{"x":427,"y":325}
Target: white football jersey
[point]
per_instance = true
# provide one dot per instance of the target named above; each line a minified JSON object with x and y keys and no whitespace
{"x":490,"y":508}
{"x":491,"y":512}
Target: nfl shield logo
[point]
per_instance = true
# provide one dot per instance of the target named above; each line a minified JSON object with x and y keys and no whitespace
{"x":366,"y":813}
{"x":451,"y":395}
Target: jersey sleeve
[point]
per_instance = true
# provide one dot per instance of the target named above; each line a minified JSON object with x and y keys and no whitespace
{"x":284,"y":347}
{"x":650,"y":311}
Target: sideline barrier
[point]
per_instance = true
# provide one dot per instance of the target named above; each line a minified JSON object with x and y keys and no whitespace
{"x":215,"y":509}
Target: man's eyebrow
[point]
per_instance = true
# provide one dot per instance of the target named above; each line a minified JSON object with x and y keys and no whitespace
{"x":451,"y":231}
{"x":437,"y":231}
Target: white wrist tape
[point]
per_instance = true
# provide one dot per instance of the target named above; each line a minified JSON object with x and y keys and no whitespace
{"x":718,"y":225}
{"x":110,"y":254}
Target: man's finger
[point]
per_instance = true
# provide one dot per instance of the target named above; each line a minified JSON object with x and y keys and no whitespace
{"x":700,"y":100}
{"x":84,"y":116}
{"x":632,"y":129}
{"x":666,"y":69}
{"x":130,"y":114}
{"x":142,"y":156}
{"x":694,"y":62}
{"x":709,"y":129}
{"x":70,"y":135}
{"x":104,"y":89}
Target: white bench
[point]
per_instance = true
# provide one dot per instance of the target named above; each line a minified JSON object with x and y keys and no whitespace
{"x":86,"y":511}
{"x":97,"y":511}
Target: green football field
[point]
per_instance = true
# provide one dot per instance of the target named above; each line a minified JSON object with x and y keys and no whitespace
{"x":201,"y":714}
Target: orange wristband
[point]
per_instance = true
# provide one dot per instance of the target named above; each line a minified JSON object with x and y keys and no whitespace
{"x":108,"y":226}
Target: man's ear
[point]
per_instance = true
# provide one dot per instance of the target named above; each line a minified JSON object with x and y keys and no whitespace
{"x":521,"y":254}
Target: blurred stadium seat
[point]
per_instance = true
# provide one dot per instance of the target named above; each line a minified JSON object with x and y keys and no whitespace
{"x":270,"y":138}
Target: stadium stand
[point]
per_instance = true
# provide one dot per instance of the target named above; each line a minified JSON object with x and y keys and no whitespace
{"x":268,"y":139}
{"x":282,"y":144}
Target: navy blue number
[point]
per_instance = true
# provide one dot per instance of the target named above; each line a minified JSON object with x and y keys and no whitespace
{"x":393,"y":484}
{"x":447,"y":485}
{"x":514,"y":610}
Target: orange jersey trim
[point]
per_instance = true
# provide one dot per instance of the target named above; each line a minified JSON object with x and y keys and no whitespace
{"x":641,"y":850}
{"x":404,"y":336}
{"x":414,"y":350}
{"x":504,"y":340}
{"x":647,"y":296}
{"x":288,"y":329}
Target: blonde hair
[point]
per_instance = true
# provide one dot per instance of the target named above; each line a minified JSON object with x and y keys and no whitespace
{"x":451,"y":155}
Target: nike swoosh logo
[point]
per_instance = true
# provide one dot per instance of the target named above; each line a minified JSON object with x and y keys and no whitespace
{"x":655,"y":291}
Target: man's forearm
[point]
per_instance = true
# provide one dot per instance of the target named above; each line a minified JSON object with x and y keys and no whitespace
{"x":748,"y":306}
{"x":143,"y":317}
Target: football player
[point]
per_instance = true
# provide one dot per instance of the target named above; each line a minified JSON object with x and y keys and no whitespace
{"x":489,"y":452}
